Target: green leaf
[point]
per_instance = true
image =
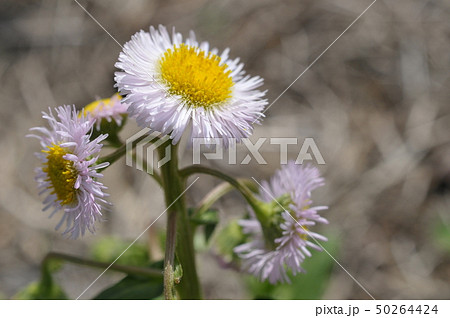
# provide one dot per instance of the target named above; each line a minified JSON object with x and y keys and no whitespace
{"x":36,"y":290}
{"x":54,"y":265}
{"x":208,"y":231}
{"x":45,"y":289}
{"x":136,"y":287}
{"x":209,"y":219}
{"x":178,"y":273}
{"x":108,"y":249}
{"x":309,"y":285}
{"x":133,"y":287}
{"x":227,"y":239}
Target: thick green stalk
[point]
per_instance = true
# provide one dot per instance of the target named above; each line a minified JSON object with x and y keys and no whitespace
{"x":173,"y":183}
{"x":169,"y":258}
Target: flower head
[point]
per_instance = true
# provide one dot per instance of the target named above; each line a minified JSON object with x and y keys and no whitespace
{"x":281,"y":244}
{"x":107,"y":109}
{"x":170,"y":83}
{"x":69,"y":171}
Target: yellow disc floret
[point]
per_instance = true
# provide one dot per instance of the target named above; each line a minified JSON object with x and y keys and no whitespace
{"x":303,"y":236}
{"x":94,"y":107}
{"x":61,"y":174}
{"x":98,"y":105}
{"x":198,"y":77}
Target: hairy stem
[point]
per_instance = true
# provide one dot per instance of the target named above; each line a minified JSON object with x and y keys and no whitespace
{"x":173,"y":183}
{"x":169,"y":257}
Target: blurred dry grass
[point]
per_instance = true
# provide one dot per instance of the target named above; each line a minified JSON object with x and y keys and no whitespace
{"x":377,"y":104}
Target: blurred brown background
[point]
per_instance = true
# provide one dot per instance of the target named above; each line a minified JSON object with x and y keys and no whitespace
{"x":377,"y":105}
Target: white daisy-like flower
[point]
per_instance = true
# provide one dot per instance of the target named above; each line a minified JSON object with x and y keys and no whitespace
{"x":170,"y":83}
{"x":68,"y":174}
{"x":270,"y":260}
{"x":108,"y":109}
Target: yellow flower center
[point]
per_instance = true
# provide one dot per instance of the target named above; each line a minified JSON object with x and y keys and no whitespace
{"x":304,"y":236}
{"x":98,"y":105}
{"x":61,"y":174}
{"x":197,"y":77}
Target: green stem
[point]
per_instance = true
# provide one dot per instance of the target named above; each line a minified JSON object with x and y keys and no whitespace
{"x":116,"y":155}
{"x":46,"y":278}
{"x":154,"y":174}
{"x":114,"y":141}
{"x":244,"y":190}
{"x":173,"y":183}
{"x":210,"y":198}
{"x":169,"y":258}
{"x":121,"y":151}
{"x":133,"y":270}
{"x":219,"y":191}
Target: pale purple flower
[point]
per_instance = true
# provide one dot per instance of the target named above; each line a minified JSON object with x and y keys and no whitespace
{"x":68,"y":174}
{"x":170,"y":83}
{"x":291,"y":186}
{"x":108,"y":109}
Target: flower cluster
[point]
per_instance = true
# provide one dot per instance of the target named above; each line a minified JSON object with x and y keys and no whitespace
{"x":167,"y":83}
{"x":171,"y":85}
{"x":270,"y":256}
